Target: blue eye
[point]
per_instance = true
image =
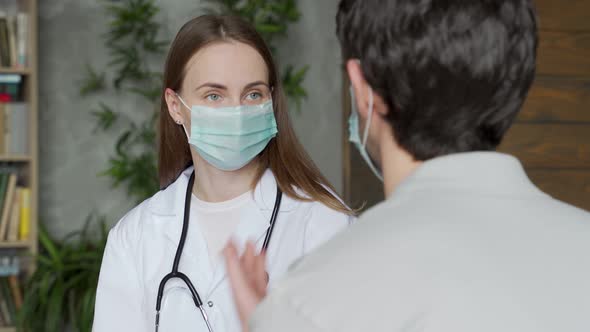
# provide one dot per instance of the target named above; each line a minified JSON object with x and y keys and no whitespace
{"x":213,"y":97}
{"x":254,"y":96}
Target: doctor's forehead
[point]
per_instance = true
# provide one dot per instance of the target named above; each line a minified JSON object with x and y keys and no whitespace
{"x":232,"y":64}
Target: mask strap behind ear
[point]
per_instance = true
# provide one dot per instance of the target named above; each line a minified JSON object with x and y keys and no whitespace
{"x":186,"y":132}
{"x":368,"y":124}
{"x":182,"y":101}
{"x":182,"y":124}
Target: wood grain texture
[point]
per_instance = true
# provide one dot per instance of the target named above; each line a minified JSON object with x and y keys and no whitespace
{"x":564,"y":53}
{"x":570,"y":186}
{"x":34,"y":125}
{"x":552,"y":146}
{"x":558,"y":99}
{"x":570,"y":15}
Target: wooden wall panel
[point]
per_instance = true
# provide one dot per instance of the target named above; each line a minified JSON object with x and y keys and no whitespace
{"x":552,"y":146}
{"x":559,"y":100}
{"x":564,"y":53}
{"x":571,"y":186}
{"x":563,"y":15}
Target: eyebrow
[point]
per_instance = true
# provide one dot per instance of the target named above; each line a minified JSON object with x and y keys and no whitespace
{"x":253,"y":84}
{"x":223,"y":87}
{"x":212,"y":85}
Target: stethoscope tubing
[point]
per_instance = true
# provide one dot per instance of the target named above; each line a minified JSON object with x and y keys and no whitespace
{"x":179,"y":275}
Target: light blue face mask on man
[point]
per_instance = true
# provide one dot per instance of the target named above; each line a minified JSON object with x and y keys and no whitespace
{"x":353,"y":129}
{"x":230,"y":137}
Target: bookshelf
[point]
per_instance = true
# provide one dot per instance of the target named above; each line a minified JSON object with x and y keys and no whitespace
{"x":15,"y":244}
{"x":15,"y":158}
{"x":26,"y":165}
{"x":21,"y":71}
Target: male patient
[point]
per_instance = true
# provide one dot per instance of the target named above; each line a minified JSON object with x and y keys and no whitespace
{"x":464,"y":241}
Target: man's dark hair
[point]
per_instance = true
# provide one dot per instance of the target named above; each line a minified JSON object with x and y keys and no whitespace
{"x":453,"y":73}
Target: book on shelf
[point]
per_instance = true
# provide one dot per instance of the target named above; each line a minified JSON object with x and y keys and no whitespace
{"x":16,"y":291}
{"x":8,"y":298}
{"x":14,"y":131}
{"x":22,"y":40}
{"x":5,"y":52}
{"x":25,"y":214}
{"x":15,"y":205}
{"x":7,"y":204}
{"x":11,"y":292}
{"x":14,"y":37}
{"x":4,"y":311}
{"x":11,"y":87}
{"x":14,"y":219}
{"x":3,"y":189}
{"x":10,"y":262}
{"x":2,"y":129}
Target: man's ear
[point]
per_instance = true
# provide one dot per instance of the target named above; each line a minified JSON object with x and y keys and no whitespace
{"x":360,"y":88}
{"x":380,"y":106}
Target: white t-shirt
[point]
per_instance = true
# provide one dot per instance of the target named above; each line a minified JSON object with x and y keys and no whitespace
{"x":218,"y":221}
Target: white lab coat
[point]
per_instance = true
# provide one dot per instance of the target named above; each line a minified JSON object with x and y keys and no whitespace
{"x":141,"y":247}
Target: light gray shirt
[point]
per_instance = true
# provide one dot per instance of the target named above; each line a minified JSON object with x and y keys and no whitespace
{"x":467,"y":243}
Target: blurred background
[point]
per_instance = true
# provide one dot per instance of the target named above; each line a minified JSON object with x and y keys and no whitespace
{"x":79,"y":90}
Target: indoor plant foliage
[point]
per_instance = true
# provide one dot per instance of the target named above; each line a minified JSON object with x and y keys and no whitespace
{"x":62,"y":290}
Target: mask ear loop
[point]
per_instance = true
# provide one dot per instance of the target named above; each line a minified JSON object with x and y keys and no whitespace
{"x":370,"y":115}
{"x":185,"y":132}
{"x":182,"y":123}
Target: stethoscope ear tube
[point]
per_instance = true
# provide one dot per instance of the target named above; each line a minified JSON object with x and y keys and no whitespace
{"x":273,"y":219}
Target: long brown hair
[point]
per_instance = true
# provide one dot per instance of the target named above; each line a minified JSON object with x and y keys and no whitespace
{"x":284,"y":154}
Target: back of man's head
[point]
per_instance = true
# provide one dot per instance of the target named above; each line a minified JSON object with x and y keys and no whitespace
{"x":453,"y":73}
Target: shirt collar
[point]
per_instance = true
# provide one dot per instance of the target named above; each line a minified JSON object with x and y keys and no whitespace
{"x":168,"y":204}
{"x":481,"y":172}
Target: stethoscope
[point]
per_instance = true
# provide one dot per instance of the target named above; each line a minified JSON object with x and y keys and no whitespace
{"x":176,"y":274}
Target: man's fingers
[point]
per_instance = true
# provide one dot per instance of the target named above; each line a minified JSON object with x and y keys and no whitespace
{"x":259,"y":274}
{"x":246,"y":296}
{"x":249,"y":262}
{"x":245,"y":256}
{"x":233,"y":261}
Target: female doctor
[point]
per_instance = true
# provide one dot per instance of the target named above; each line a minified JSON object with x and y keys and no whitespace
{"x":229,"y":167}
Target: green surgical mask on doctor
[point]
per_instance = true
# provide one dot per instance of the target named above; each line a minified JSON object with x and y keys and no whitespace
{"x":230,"y":137}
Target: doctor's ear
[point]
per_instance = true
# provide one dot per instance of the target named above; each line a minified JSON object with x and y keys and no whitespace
{"x":174,"y":106}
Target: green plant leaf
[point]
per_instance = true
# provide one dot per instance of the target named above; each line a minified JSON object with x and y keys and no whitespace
{"x":270,"y":28}
{"x":92,"y":82}
{"x":293,"y":84}
{"x":122,"y":143}
{"x":86,"y":311}
{"x":105,"y":116}
{"x":48,"y":244}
